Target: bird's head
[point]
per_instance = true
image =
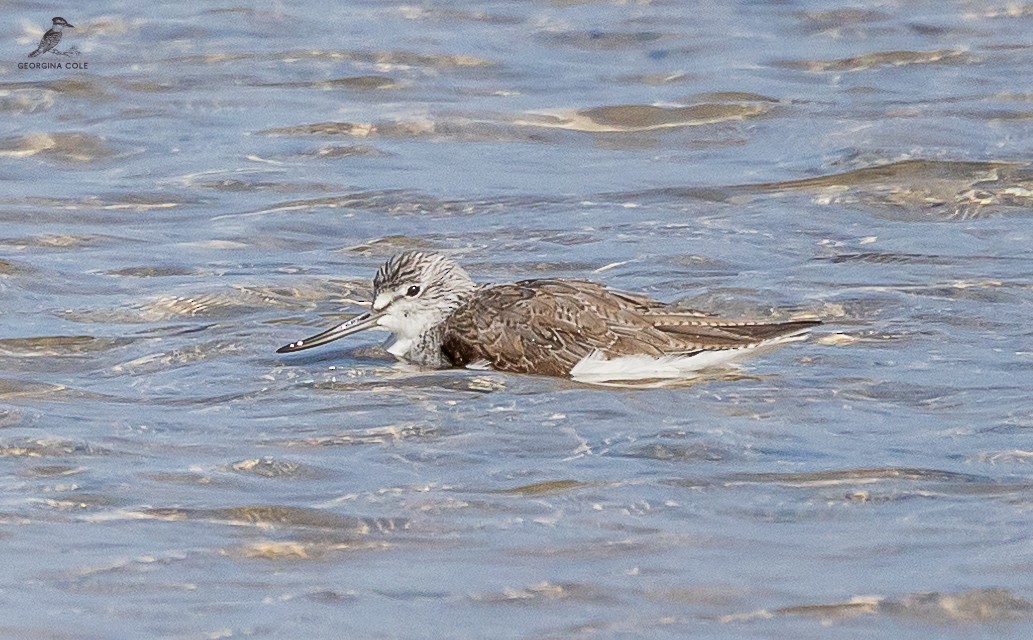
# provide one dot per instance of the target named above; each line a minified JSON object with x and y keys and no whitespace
{"x":412,"y":293}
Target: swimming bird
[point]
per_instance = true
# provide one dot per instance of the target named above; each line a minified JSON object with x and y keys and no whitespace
{"x":439,"y":317}
{"x":51,"y":37}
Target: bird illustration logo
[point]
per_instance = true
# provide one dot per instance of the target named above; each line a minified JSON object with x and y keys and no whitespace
{"x":52,"y":37}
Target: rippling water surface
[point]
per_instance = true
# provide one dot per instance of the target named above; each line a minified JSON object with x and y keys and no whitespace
{"x":222,"y":179}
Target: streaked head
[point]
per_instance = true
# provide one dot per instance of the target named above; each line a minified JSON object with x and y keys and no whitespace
{"x":61,"y":22}
{"x":412,"y":293}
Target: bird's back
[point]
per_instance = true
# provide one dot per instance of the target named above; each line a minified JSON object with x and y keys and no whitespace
{"x":549,"y":326}
{"x":50,"y":40}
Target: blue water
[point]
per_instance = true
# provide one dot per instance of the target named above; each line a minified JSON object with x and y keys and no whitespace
{"x":222,"y":180}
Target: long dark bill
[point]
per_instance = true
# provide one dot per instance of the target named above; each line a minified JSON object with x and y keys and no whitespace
{"x":359,"y":323}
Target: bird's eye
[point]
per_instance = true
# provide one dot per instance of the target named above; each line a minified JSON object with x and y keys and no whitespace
{"x":413,"y":291}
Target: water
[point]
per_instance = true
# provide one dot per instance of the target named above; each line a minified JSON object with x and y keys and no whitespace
{"x":221,"y":180}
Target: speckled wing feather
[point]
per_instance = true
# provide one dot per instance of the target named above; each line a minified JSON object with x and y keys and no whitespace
{"x":548,"y":326}
{"x":712,"y":333}
{"x":50,"y":40}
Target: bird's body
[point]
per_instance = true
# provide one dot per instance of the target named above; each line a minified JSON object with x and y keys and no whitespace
{"x":52,"y":37}
{"x":440,"y":318}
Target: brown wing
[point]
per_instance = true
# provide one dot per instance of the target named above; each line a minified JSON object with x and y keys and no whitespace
{"x":712,"y":333}
{"x":548,"y":326}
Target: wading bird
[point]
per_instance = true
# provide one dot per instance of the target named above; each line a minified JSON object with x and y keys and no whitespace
{"x":439,"y":317}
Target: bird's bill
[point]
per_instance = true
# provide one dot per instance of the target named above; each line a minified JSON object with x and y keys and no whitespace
{"x":359,"y":323}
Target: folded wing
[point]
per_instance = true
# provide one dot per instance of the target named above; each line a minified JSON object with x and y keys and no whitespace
{"x":548,"y":326}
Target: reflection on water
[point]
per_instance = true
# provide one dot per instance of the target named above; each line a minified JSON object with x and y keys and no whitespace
{"x":634,"y":117}
{"x":907,"y":190}
{"x":223,"y":179}
{"x":980,"y":605}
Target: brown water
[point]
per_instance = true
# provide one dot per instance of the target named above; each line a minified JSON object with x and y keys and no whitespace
{"x":221,"y":180}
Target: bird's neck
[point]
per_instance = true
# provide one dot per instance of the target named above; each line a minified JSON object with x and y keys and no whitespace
{"x":422,"y":346}
{"x":423,"y":350}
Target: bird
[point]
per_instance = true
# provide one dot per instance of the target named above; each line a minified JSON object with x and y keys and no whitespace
{"x":52,"y":37}
{"x":440,"y":318}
